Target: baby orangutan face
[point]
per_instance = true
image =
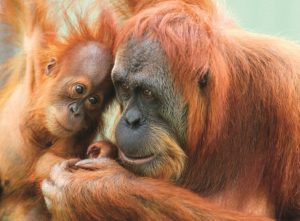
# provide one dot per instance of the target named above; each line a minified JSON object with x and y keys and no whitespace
{"x":76,"y":89}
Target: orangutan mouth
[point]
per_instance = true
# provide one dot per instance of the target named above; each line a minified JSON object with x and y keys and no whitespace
{"x":136,"y":160}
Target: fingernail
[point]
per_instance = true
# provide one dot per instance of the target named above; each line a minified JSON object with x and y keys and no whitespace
{"x":80,"y":163}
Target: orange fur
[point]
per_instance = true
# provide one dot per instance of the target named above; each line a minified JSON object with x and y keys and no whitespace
{"x":243,"y":134}
{"x":25,"y":155}
{"x":252,"y":103}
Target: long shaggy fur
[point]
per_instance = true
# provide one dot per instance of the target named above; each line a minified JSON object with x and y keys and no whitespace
{"x":223,"y":119}
{"x":244,"y":128}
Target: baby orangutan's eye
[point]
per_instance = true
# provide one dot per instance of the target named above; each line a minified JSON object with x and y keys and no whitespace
{"x":93,"y":100}
{"x":79,"y":89}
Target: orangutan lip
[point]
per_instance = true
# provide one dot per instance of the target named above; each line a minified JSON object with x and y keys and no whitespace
{"x":66,"y":129}
{"x":139,"y":160}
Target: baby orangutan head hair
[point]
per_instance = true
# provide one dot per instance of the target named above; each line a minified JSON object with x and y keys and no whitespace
{"x":72,"y":84}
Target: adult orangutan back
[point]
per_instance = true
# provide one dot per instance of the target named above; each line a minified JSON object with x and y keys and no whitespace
{"x":209,"y":107}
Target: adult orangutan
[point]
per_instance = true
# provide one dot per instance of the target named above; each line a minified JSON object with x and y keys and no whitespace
{"x":51,"y":106}
{"x":211,"y":119}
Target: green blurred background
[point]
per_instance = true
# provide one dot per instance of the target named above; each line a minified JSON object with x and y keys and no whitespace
{"x":276,"y":17}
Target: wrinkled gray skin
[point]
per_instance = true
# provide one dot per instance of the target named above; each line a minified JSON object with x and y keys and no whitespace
{"x":143,"y":66}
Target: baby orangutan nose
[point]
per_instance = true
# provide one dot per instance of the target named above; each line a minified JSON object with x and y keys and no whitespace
{"x":75,"y":110}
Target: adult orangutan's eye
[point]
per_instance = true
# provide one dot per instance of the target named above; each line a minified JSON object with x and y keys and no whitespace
{"x":125,"y":86}
{"x":147,"y":93}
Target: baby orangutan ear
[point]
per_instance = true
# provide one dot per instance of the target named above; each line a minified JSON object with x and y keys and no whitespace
{"x":50,"y":66}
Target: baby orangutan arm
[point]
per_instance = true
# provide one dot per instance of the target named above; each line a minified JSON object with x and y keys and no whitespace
{"x":45,"y":163}
{"x":62,"y":150}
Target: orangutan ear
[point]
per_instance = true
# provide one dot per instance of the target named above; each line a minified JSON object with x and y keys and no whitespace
{"x":202,"y":83}
{"x":50,"y":66}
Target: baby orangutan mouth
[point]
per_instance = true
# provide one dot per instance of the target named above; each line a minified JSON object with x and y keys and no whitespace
{"x":64,"y":127}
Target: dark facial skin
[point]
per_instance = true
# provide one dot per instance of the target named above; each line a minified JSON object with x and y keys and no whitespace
{"x":76,"y":89}
{"x":152,"y":110}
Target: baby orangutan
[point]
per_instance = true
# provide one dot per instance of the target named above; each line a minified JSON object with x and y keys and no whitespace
{"x":50,"y":108}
